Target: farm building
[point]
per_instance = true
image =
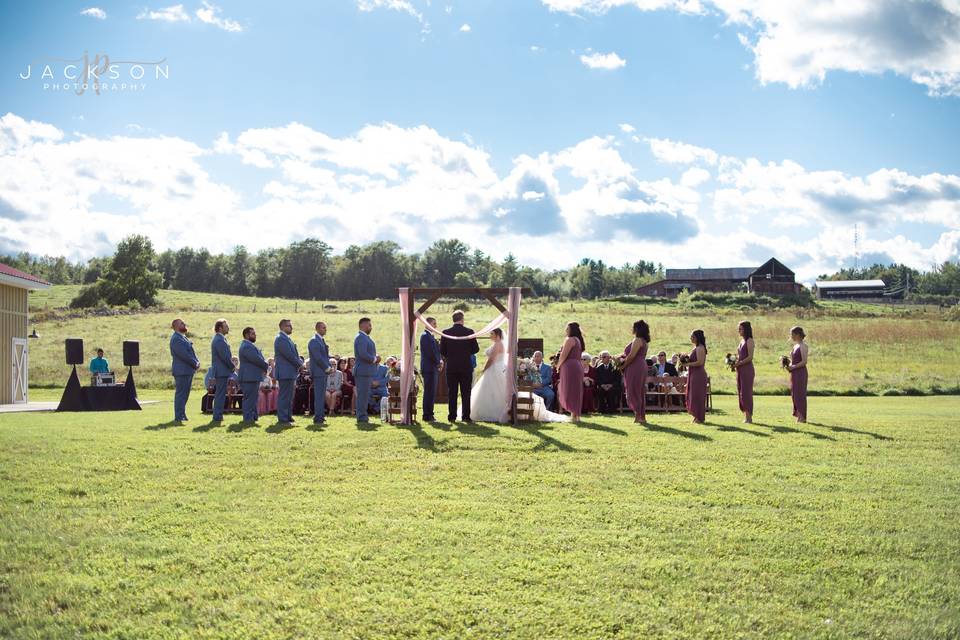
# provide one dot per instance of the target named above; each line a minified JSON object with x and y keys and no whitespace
{"x":850,"y":289}
{"x":772,"y":277}
{"x":14,"y":286}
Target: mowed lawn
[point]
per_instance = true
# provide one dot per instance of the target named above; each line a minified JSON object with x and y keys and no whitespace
{"x":121,"y":526}
{"x":909,"y":350}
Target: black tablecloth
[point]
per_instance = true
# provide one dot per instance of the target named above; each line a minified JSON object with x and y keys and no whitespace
{"x":112,"y":398}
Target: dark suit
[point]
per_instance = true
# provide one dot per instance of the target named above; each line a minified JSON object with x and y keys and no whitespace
{"x":459,"y":371}
{"x":668,"y":369}
{"x":609,"y":398}
{"x":429,"y":368}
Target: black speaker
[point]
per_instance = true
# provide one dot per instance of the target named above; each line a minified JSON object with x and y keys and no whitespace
{"x":131,"y":353}
{"x":74,"y":350}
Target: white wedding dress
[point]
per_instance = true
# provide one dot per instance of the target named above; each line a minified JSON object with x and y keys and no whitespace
{"x":488,"y":399}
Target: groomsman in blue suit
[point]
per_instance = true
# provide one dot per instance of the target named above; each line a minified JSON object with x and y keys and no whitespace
{"x":253,"y":366}
{"x":365,"y":352}
{"x":221,"y":362}
{"x":287,"y":363}
{"x":185,"y":364}
{"x":430,"y":365}
{"x":319,"y":368}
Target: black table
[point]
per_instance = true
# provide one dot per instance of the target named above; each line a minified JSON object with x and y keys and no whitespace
{"x":119,"y":397}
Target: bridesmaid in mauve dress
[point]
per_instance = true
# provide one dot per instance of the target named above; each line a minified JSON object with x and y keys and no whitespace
{"x":570,"y":389}
{"x":798,"y":373}
{"x":697,"y":378}
{"x":745,"y":371}
{"x":635,"y":371}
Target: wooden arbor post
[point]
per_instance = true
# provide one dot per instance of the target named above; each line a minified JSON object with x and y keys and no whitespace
{"x":432,"y":294}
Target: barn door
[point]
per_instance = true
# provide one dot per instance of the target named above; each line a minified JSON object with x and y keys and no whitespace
{"x":19,"y":370}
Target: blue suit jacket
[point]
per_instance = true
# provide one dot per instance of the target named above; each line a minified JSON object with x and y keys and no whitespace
{"x":221,"y":357}
{"x":185,"y":362}
{"x":287,"y":360}
{"x":365,"y":351}
{"x":429,"y":353}
{"x":546,"y":375}
{"x":319,"y":356}
{"x":253,"y":366}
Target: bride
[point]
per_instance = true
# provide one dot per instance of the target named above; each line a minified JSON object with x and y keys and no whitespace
{"x":489,"y":401}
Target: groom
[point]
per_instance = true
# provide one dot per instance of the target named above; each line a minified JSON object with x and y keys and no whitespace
{"x":457,"y":354}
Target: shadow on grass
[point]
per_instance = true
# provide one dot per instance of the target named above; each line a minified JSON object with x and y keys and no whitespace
{"x":424,"y":440}
{"x":836,"y":429}
{"x":163,"y":425}
{"x":476,"y":429}
{"x":726,"y":427}
{"x":780,"y":429}
{"x":677,"y":432}
{"x":276,"y":427}
{"x":366,"y":426}
{"x":237,"y":427}
{"x":318,"y":428}
{"x":210,"y":426}
{"x":600,"y":427}
{"x":547,"y":443}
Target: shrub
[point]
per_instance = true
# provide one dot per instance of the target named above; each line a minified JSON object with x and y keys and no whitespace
{"x":88,"y":297}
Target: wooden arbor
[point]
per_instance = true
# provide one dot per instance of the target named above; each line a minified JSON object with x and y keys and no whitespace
{"x":409,"y":316}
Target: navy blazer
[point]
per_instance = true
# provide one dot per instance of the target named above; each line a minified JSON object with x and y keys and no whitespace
{"x":429,"y":353}
{"x":287,"y":360}
{"x":319,"y":355}
{"x":365,"y":351}
{"x":221,"y":360}
{"x":185,"y":361}
{"x":253,"y":366}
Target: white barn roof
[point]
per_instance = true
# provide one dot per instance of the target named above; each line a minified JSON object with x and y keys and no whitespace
{"x":850,"y":284}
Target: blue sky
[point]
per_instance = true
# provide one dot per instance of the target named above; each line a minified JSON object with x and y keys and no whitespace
{"x":688,"y":132}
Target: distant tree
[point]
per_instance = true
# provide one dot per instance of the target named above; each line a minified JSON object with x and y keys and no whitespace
{"x":443,"y":260}
{"x":130,"y":275}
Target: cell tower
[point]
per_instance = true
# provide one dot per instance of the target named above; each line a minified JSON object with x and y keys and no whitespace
{"x":856,"y":246}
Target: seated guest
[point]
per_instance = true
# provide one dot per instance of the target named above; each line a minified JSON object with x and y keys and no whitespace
{"x":663,"y":368}
{"x":651,"y":367}
{"x":301,"y":390}
{"x":99,"y":364}
{"x":268,"y":380}
{"x":608,"y":384}
{"x":235,"y":376}
{"x":378,"y":385}
{"x":209,"y":380}
{"x":347,"y":389}
{"x":544,"y":388}
{"x":334,"y":387}
{"x":589,"y":385}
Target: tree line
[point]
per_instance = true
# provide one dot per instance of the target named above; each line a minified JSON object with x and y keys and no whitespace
{"x":309,"y":269}
{"x":903,"y":281}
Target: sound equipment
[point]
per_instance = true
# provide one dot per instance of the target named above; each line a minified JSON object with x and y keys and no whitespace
{"x":74,"y":350}
{"x":131,"y":353}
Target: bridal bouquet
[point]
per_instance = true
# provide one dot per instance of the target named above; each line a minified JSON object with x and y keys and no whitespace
{"x":684,"y":361}
{"x":527,"y":371}
{"x":731,"y":361}
{"x":784,"y":362}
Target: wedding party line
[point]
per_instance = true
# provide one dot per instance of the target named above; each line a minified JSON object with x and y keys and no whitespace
{"x":565,"y":386}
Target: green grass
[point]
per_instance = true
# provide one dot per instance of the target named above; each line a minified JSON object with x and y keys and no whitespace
{"x":913,"y":352}
{"x":121,"y":526}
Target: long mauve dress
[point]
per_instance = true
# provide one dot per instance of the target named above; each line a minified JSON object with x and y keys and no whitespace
{"x":697,"y":389}
{"x":745,"y":375}
{"x":570,"y":388}
{"x":798,"y":385}
{"x":635,"y":382}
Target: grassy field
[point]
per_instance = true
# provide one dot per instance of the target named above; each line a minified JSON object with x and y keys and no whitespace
{"x":885,"y":351}
{"x":121,"y":526}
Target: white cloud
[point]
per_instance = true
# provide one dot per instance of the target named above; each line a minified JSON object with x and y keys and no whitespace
{"x":608,"y":61}
{"x":174,"y":13}
{"x":671,"y":152}
{"x":79,"y":194}
{"x":210,"y":14}
{"x":465,"y":28}
{"x":798,"y":43}
{"x":627,"y":128}
{"x":94,"y":12}
{"x":403,"y":6}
